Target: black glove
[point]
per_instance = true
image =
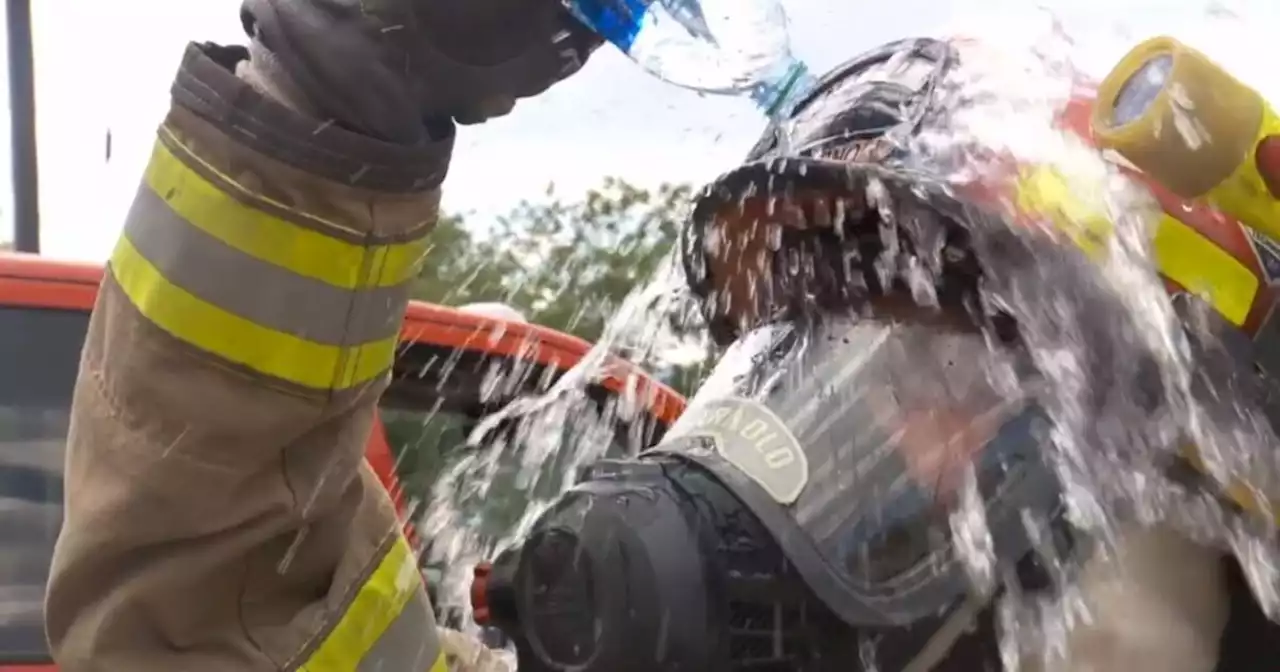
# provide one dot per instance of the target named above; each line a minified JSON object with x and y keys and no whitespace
{"x":387,"y":67}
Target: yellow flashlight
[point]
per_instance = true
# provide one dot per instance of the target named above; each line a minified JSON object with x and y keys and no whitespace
{"x":1191,"y":126}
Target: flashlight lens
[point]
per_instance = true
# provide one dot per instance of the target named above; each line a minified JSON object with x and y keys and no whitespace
{"x":1137,"y":94}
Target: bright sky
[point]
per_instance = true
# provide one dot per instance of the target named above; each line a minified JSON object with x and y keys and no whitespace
{"x":107,"y":65}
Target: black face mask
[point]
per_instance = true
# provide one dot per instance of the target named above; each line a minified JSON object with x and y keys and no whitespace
{"x":798,"y":517}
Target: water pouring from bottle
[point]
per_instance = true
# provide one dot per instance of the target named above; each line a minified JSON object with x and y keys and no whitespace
{"x":713,"y":46}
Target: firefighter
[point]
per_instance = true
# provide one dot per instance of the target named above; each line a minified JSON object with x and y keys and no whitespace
{"x":799,"y":514}
{"x":219,"y":513}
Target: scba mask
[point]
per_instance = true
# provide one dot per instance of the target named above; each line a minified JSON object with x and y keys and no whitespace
{"x":812,"y":510}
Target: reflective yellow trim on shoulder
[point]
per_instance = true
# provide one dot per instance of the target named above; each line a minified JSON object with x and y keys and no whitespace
{"x":1181,"y":254}
{"x":1044,"y":190}
{"x":262,"y":235}
{"x":1244,"y":194}
{"x":1204,"y":269}
{"x":379,"y":603}
{"x":210,"y":328}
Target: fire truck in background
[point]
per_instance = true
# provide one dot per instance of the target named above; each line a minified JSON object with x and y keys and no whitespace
{"x":441,"y":387}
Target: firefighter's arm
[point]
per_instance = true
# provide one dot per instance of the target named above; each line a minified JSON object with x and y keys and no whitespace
{"x":217,"y":516}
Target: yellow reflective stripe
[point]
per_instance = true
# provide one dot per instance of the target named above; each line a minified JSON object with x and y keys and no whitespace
{"x":1204,"y":269}
{"x":208,"y":327}
{"x":256,"y":290}
{"x":262,"y":235}
{"x":378,"y":604}
{"x":1243,"y":494}
{"x":1181,"y":254}
{"x":1244,"y":194}
{"x":1043,"y":190}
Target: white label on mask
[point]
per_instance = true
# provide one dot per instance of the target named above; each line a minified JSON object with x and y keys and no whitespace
{"x":752,"y":438}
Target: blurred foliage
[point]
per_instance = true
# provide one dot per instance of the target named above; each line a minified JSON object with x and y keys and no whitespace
{"x":420,"y":443}
{"x":566,"y":264}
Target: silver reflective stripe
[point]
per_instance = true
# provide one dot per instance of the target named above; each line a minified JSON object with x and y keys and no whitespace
{"x":257,"y":290}
{"x":410,"y":643}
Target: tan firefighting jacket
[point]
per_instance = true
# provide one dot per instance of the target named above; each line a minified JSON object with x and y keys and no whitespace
{"x":219,"y":513}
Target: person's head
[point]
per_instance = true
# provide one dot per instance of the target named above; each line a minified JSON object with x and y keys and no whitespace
{"x":841,"y":208}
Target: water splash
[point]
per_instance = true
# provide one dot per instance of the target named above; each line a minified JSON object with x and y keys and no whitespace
{"x":1132,"y":374}
{"x":523,"y":456}
{"x":1128,"y":371}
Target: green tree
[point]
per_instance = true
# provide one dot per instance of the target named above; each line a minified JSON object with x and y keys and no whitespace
{"x":566,"y":264}
{"x":454,"y":272}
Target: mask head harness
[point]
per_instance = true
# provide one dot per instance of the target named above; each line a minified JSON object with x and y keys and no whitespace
{"x":799,"y":200}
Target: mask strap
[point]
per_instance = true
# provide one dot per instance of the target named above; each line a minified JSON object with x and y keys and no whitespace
{"x":939,"y":645}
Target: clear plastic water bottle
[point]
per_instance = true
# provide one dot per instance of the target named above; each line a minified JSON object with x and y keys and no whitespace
{"x":733,"y":47}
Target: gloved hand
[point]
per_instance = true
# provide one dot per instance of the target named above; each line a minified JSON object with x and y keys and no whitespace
{"x":387,"y":67}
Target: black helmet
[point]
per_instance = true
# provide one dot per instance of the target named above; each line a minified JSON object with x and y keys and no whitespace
{"x":814,"y":167}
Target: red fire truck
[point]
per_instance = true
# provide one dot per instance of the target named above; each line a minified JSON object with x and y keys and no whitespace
{"x":442,"y":385}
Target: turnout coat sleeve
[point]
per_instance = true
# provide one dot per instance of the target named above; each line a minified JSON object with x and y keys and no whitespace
{"x":219,"y":513}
